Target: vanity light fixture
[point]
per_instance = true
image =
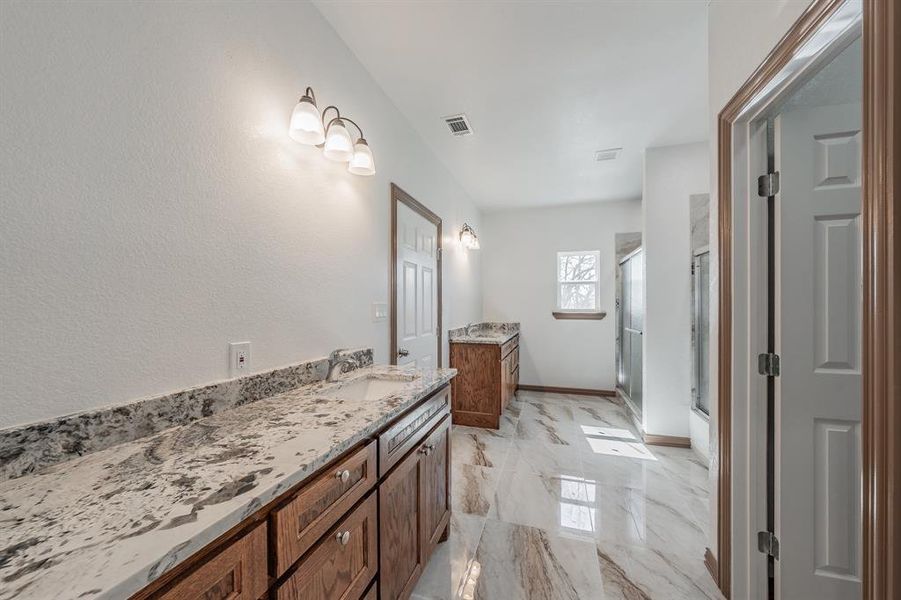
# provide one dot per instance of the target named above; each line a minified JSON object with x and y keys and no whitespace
{"x":308,"y":126}
{"x":306,"y":122}
{"x":468,"y":238}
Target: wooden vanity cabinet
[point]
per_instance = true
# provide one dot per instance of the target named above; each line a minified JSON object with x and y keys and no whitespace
{"x":362,"y":528}
{"x":486,"y":381}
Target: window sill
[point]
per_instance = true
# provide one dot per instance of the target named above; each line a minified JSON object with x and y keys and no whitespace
{"x":580,"y":315}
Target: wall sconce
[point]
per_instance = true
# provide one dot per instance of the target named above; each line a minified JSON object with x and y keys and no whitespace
{"x":468,"y":238}
{"x":308,"y":126}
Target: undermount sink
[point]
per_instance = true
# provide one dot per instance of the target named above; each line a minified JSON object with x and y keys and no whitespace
{"x":370,"y":388}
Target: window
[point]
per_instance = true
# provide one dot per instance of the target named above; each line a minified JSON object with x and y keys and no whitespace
{"x":578,"y":281}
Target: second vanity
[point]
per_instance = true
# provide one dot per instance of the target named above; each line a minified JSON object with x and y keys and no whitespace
{"x":486,"y":356}
{"x":331,"y":490}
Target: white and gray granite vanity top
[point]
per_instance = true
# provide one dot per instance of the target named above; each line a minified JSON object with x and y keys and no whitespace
{"x":484,"y":333}
{"x":106,"y":524}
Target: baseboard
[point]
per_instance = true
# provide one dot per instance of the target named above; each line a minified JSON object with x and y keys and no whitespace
{"x":566,"y":390}
{"x":711,"y":564}
{"x":667,"y":440}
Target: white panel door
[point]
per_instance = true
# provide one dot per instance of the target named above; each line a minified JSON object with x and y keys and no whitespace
{"x":818,"y":397}
{"x":417,"y":289}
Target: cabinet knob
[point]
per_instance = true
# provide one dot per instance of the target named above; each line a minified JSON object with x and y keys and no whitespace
{"x":342,"y":537}
{"x":344,"y":475}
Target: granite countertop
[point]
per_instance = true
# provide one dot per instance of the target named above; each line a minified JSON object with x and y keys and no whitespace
{"x":108,"y":523}
{"x":484,"y":333}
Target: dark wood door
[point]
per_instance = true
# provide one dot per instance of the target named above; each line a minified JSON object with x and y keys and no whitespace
{"x":435,"y":467}
{"x":401,"y":557}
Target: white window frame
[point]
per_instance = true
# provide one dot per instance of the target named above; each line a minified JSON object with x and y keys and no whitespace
{"x":596,"y":281}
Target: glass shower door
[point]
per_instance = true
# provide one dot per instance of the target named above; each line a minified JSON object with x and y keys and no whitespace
{"x":631,"y":326}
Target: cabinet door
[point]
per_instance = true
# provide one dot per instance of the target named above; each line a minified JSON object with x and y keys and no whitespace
{"x":435,"y":487}
{"x":400,"y":543}
{"x":341,"y":565}
{"x":505,"y":382}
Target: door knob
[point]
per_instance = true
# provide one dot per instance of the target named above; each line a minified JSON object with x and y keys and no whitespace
{"x":403,"y":352}
{"x":343,"y":538}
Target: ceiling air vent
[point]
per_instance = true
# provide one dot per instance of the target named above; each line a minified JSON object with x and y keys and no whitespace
{"x":608,"y":154}
{"x":458,"y":125}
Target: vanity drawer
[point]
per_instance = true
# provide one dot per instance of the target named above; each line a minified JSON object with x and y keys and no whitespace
{"x":343,"y":564}
{"x":236,"y":573}
{"x":509,"y":346}
{"x":409,"y":430}
{"x":318,"y":505}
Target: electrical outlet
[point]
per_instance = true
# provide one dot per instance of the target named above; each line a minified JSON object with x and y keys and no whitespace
{"x":379,"y":311}
{"x":238,"y":359}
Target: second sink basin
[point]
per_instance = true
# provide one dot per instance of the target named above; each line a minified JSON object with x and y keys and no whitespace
{"x":370,"y":388}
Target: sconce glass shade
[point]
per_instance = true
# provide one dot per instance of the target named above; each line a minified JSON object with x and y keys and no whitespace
{"x":306,"y":123}
{"x":468,"y":238}
{"x":362,"y":162}
{"x":338,"y":145}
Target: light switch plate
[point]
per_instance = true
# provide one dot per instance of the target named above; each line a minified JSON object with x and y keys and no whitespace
{"x":379,"y":311}
{"x":238,"y":359}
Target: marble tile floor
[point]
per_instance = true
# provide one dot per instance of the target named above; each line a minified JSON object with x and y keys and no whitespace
{"x":565,"y":502}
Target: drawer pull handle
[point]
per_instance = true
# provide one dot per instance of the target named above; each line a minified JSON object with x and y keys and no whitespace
{"x":343,"y":538}
{"x":344,"y":475}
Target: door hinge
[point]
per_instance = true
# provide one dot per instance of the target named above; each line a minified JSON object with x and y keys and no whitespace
{"x":768,"y":364}
{"x":768,"y":185}
{"x":440,"y":250}
{"x":768,"y":543}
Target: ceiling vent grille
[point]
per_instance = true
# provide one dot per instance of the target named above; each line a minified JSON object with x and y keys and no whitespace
{"x":458,"y":124}
{"x":608,"y":154}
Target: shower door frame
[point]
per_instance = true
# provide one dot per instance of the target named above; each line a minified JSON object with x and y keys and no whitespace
{"x":636,"y":411}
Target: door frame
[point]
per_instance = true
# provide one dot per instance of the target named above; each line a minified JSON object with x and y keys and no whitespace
{"x":881,"y":332}
{"x":400,"y":196}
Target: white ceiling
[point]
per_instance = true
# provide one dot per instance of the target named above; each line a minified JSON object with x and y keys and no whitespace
{"x":545,"y":85}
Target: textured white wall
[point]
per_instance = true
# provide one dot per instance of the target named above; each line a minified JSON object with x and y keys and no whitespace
{"x":519,"y":284}
{"x":154,"y":209}
{"x":671,"y":175}
{"x":740,"y":35}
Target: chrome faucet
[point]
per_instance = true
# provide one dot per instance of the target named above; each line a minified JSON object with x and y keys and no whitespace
{"x":336,"y":364}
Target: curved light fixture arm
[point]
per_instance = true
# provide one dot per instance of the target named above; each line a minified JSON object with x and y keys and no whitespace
{"x":338,"y":117}
{"x":309,"y":92}
{"x":360,"y":129}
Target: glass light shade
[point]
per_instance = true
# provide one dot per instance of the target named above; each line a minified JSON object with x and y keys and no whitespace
{"x":475,"y":243}
{"x":467,"y":239}
{"x":362,"y":163}
{"x":306,"y":123}
{"x":338,"y":145}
